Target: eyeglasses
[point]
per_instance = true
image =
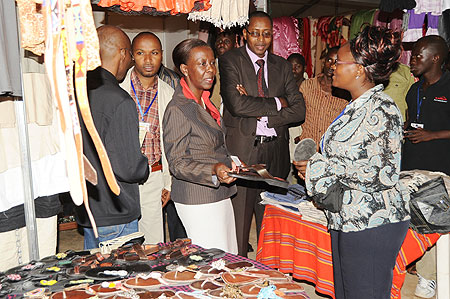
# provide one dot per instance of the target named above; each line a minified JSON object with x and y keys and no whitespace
{"x":335,"y":62}
{"x":256,"y":34}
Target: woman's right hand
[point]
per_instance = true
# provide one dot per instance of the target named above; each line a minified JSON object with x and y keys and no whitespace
{"x":221,"y":171}
{"x":301,"y":168}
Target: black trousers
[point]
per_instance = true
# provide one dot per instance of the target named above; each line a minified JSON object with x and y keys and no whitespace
{"x":246,"y":202}
{"x":176,"y":228}
{"x":363,"y":261}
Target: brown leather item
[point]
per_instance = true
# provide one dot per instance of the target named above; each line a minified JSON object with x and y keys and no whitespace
{"x":179,"y":276}
{"x":272,"y":274}
{"x":205,"y":285}
{"x":140,"y":282}
{"x":238,"y":279}
{"x":75,"y":294}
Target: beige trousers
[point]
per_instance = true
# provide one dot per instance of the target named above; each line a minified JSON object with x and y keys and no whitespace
{"x":14,"y":244}
{"x":151,"y":222}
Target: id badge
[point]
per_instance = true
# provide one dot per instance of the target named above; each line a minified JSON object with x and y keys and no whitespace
{"x":417,"y":125}
{"x":143,"y":129}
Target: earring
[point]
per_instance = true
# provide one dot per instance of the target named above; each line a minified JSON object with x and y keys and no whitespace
{"x":357,"y":77}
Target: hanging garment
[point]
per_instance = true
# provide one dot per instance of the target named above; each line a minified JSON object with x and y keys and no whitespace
{"x":415,"y":25}
{"x":9,"y":50}
{"x":313,"y":31}
{"x":285,"y":36}
{"x":360,"y":20}
{"x":223,"y":14}
{"x":444,"y":25}
{"x":429,"y":6}
{"x":306,"y":47}
{"x":391,"y":5}
{"x":174,"y":7}
{"x":392,"y":20}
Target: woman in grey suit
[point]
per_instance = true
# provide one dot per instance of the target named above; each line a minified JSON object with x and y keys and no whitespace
{"x":194,"y":143}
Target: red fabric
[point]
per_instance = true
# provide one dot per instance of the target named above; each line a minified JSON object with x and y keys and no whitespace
{"x":413,"y":247}
{"x":292,"y":245}
{"x":210,"y":108}
{"x":307,"y":46}
{"x":174,"y":7}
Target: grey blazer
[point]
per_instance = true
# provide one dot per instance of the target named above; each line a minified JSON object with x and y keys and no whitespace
{"x":193,"y":143}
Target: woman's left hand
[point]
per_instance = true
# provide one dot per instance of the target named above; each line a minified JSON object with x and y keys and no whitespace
{"x":221,"y":171}
{"x":301,"y":168}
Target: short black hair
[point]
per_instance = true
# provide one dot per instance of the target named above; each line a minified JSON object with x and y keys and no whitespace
{"x":299,"y":57}
{"x":437,"y":44}
{"x":378,"y":51}
{"x":258,"y":14}
{"x":181,"y":52}
{"x":144,"y":33}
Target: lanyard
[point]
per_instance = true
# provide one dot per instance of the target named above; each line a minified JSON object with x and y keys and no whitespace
{"x":321,"y":140}
{"x":139,"y":104}
{"x":419,"y":103}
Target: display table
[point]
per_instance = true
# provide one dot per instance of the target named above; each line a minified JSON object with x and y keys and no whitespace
{"x":303,"y":248}
{"x":139,"y":270}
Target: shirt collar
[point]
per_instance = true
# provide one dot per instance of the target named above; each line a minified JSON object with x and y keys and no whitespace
{"x":254,"y":57}
{"x":137,"y":83}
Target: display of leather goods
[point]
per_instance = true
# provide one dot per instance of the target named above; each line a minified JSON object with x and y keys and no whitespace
{"x":332,"y":200}
{"x":155,"y":294}
{"x":105,"y":288}
{"x":305,"y":149}
{"x":181,"y":276}
{"x":237,"y":278}
{"x":240,"y":265}
{"x":191,"y":295}
{"x":430,"y":208}
{"x":75,"y":294}
{"x":270,"y":274}
{"x":258,"y":172}
{"x":152,"y":280}
{"x":207,"y":284}
{"x":107,"y":273}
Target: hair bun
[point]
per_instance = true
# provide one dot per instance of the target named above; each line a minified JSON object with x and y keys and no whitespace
{"x":378,"y":50}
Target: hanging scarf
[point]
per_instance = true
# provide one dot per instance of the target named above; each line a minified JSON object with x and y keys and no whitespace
{"x":210,"y":108}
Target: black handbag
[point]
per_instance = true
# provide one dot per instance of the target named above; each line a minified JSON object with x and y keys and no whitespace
{"x":332,"y":200}
{"x":430,"y":208}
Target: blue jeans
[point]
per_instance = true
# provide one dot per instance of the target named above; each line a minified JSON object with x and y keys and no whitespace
{"x":106,"y":233}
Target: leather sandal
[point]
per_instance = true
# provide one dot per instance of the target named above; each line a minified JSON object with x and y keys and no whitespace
{"x":153,"y":280}
{"x":207,"y":284}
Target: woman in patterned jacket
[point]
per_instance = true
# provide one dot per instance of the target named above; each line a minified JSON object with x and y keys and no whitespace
{"x":361,"y":150}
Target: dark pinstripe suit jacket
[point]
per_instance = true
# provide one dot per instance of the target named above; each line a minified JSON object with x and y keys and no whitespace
{"x":193,"y":143}
{"x":241,"y":112}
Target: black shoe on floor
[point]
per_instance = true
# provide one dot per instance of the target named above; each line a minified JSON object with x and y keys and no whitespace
{"x":250,"y":248}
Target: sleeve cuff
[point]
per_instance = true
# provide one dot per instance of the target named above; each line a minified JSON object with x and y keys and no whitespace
{"x":278,"y":103}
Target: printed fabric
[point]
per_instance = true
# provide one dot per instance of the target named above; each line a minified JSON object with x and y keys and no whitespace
{"x":361,"y":149}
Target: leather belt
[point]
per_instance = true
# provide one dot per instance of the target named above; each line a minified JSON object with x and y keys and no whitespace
{"x":261,"y":139}
{"x":157,"y":166}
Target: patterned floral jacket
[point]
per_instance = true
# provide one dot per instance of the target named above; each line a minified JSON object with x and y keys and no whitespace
{"x":362,"y":149}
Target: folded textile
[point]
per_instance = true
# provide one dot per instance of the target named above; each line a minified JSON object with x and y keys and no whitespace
{"x":295,"y":201}
{"x":295,"y":195}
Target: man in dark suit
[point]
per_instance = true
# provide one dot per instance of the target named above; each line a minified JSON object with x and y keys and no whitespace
{"x":260,"y":99}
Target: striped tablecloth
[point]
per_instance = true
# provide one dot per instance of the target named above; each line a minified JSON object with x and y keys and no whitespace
{"x":303,"y":248}
{"x":295,"y":246}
